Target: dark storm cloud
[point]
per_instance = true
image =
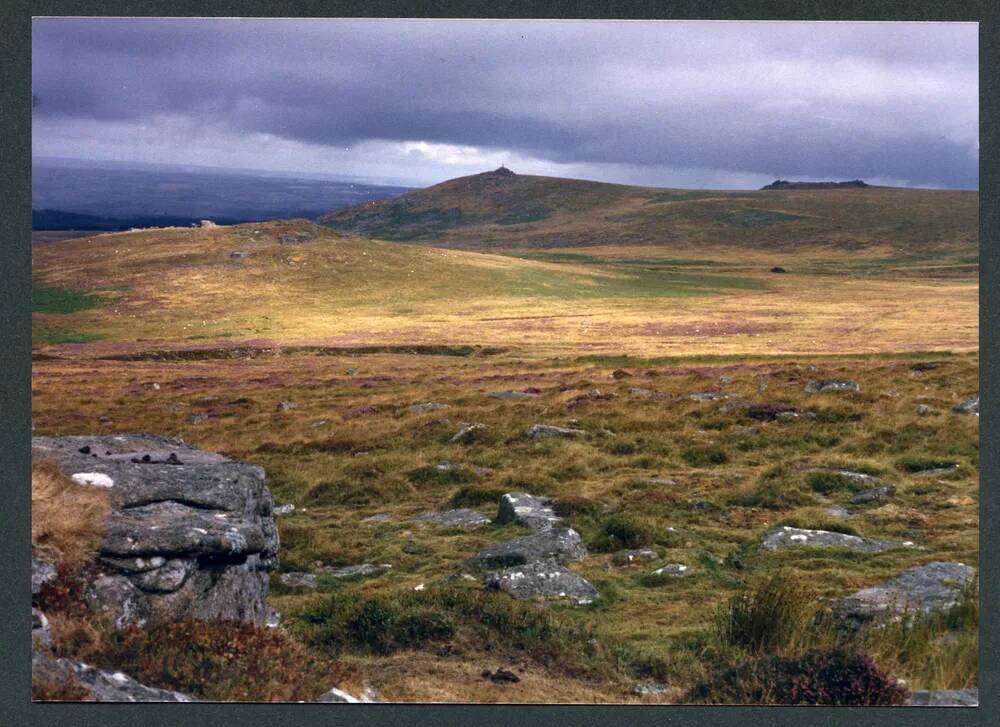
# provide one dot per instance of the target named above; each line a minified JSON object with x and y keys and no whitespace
{"x":894,"y":101}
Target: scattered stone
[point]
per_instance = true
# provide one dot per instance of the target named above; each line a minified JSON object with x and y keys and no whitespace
{"x":197,"y":418}
{"x":874,"y":495}
{"x":100,"y":686}
{"x":745,"y":431}
{"x":641,"y":393}
{"x":540,"y":431}
{"x":510,"y":395}
{"x":701,"y":506}
{"x":859,"y":477}
{"x":628,"y":557}
{"x":357,"y":571}
{"x":945,"y":698}
{"x":644,"y":688}
{"x":466,"y":433}
{"x":787,"y":536}
{"x":708,"y":396}
{"x":826,"y":386}
{"x":593,"y":395}
{"x":558,"y":544}
{"x":619,"y":374}
{"x":42,"y":573}
{"x":672,"y":570}
{"x":284,"y":509}
{"x":656,"y":481}
{"x":923,"y":410}
{"x":935,"y":471}
{"x":926,"y":588}
{"x":968,"y":407}
{"x":273,"y":619}
{"x":838,"y":512}
{"x":287,"y":406}
{"x":298,"y":580}
{"x":188,"y":540}
{"x":528,"y":510}
{"x":543,"y":580}
{"x":725,"y":380}
{"x":352,"y":372}
{"x":359,"y":411}
{"x":239,"y":254}
{"x":461,"y":518}
{"x":382,"y":517}
{"x":501,"y":676}
{"x":426,"y":407}
{"x":790,"y":415}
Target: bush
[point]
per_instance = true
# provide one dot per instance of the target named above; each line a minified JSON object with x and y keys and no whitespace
{"x":705,"y":456}
{"x":475,"y":496}
{"x":773,"y":615}
{"x":575,"y":505}
{"x":220,"y":660}
{"x":827,"y":482}
{"x":627,"y":531}
{"x":830,"y":678}
{"x":431,"y":475}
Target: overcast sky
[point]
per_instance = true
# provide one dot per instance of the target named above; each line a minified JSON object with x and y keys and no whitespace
{"x":683,"y":104}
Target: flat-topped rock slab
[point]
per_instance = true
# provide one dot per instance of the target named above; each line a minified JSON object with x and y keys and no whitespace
{"x":543,"y":581}
{"x":926,"y":588}
{"x":529,"y":510}
{"x":460,"y":518}
{"x":555,"y":544}
{"x":786,"y":536}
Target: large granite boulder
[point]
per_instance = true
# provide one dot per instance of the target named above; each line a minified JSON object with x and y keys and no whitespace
{"x":191,"y":533}
{"x":460,"y":518}
{"x":922,"y":589}
{"x":542,"y":431}
{"x":543,"y":580}
{"x":787,"y":536}
{"x":100,"y":686}
{"x":528,"y":510}
{"x":968,"y":407}
{"x":554,"y":544}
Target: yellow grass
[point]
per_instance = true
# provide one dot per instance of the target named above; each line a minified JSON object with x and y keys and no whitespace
{"x":65,"y":516}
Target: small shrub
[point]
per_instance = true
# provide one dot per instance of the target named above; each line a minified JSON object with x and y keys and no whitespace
{"x":705,"y":456}
{"x":432,"y":475}
{"x":827,"y":482}
{"x":222,"y":660}
{"x":623,"y":448}
{"x":772,"y":615}
{"x":625,"y":530}
{"x":51,"y":690}
{"x":575,"y":505}
{"x":830,"y":678}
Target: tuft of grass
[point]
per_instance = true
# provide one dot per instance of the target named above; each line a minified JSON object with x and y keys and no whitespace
{"x":65,"y":516}
{"x":770,"y":616}
{"x":707,"y":456}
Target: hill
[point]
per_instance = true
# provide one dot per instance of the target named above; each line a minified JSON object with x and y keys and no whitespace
{"x":498,"y":211}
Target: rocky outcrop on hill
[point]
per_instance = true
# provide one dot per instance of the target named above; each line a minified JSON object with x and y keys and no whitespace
{"x":783,"y":184}
{"x":528,"y":510}
{"x":98,"y":685}
{"x":191,"y":533}
{"x":787,"y":536}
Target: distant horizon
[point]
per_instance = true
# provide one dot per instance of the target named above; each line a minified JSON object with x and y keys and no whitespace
{"x":415,"y":184}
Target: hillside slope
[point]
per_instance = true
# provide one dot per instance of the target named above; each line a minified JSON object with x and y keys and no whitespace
{"x":501,"y":210}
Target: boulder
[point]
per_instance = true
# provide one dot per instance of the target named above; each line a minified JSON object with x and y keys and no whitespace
{"x":827,"y":386}
{"x":644,"y":688}
{"x":875,"y":494}
{"x":859,"y":477}
{"x":923,"y":410}
{"x":41,"y":631}
{"x":461,"y":518}
{"x":935,"y":471}
{"x":337,"y":696}
{"x":426,"y":407}
{"x":671,"y":570}
{"x":284,"y":509}
{"x":787,"y":536}
{"x":100,"y":686}
{"x":42,"y":573}
{"x":926,"y":588}
{"x":511,"y":395}
{"x":945,"y":698}
{"x":540,"y":431}
{"x":708,"y":396}
{"x":191,"y":533}
{"x":968,"y":407}
{"x":543,"y":580}
{"x":528,"y":510}
{"x":553,"y":544}
{"x":837,"y":512}
{"x":629,"y":557}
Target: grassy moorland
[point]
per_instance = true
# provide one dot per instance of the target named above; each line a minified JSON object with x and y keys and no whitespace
{"x":305,"y":356}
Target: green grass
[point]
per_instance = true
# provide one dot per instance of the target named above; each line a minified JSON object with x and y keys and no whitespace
{"x":53,"y":336}
{"x":523,"y":217}
{"x":51,"y":299}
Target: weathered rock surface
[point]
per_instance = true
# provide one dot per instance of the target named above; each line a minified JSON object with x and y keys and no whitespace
{"x":671,"y":570}
{"x":543,"y":580}
{"x":294,"y":579}
{"x":41,"y":631}
{"x":553,"y":544}
{"x":826,"y":386}
{"x":466,"y":433}
{"x":787,"y":536}
{"x":540,"y":431}
{"x":284,"y":509}
{"x":191,"y":533}
{"x":926,"y":588}
{"x":338,"y":696}
{"x":935,"y":471}
{"x":968,"y":407}
{"x":42,"y":573}
{"x":644,"y":688}
{"x":357,"y":571}
{"x":460,"y":518}
{"x":510,"y":395}
{"x":875,"y":494}
{"x":708,"y":396}
{"x":629,"y":557}
{"x":859,"y":477}
{"x":101,"y":686}
{"x":528,"y":510}
{"x":945,"y":698}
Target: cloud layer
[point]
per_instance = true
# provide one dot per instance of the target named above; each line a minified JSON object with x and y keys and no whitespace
{"x":678,"y":103}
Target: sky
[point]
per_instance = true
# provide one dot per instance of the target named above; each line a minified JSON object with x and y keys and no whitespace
{"x":721,"y":105}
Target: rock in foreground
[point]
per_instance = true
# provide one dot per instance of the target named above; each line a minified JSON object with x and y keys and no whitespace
{"x":460,"y":518}
{"x":554,"y":544}
{"x":543,"y":581}
{"x":190,"y":535}
{"x":528,"y":510}
{"x":926,"y":588}
{"x":100,"y":686}
{"x":945,"y":698}
{"x":787,"y":536}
